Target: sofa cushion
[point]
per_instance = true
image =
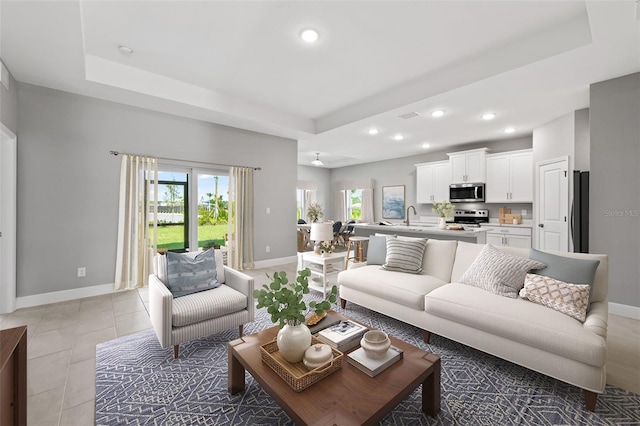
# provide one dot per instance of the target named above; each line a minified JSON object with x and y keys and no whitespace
{"x":376,"y":249}
{"x":405,"y":289}
{"x":518,"y":320}
{"x":498,"y":272}
{"x":438,"y":258}
{"x":570,"y":299}
{"x":574,"y":271}
{"x":186,"y":274}
{"x":405,"y":255}
{"x":204,"y":305}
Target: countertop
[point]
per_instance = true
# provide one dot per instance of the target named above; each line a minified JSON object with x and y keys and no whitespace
{"x":422,"y":229}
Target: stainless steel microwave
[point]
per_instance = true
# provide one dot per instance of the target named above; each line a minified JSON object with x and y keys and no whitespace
{"x":466,"y":192}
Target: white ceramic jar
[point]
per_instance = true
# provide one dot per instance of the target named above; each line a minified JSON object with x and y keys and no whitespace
{"x":317,"y":355}
{"x":375,"y":343}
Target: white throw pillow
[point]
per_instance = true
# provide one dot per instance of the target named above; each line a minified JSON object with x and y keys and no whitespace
{"x":404,"y":255}
{"x":570,"y":299}
{"x":498,"y":272}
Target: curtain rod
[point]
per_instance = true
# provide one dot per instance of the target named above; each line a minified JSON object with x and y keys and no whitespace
{"x":116,"y":153}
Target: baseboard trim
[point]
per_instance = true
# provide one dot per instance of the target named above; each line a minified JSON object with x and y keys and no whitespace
{"x":63,"y":296}
{"x":275,"y":262}
{"x":624,"y":310}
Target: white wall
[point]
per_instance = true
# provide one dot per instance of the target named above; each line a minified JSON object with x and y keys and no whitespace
{"x":614,"y":185}
{"x":9,"y":105}
{"x":68,"y":183}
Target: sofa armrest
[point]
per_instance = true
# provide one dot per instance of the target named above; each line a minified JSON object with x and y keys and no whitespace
{"x":160,"y":310}
{"x":243,"y":283}
{"x":597,"y":318}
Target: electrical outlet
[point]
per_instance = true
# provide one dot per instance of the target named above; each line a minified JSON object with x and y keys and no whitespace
{"x":268,"y":210}
{"x":82,"y":272}
{"x":524,"y":212}
{"x":268,"y":249}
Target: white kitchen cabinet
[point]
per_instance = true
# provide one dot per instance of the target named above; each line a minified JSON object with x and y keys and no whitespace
{"x":510,"y":237}
{"x":468,"y":166}
{"x":510,"y":177}
{"x":432,"y":182}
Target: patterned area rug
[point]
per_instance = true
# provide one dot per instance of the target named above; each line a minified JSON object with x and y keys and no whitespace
{"x":139,"y":383}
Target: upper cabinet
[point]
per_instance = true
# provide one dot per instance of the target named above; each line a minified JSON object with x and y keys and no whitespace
{"x":468,"y":166}
{"x":432,"y":182}
{"x":510,"y":177}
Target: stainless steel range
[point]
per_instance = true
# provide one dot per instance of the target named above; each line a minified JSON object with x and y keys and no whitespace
{"x":473,"y":218}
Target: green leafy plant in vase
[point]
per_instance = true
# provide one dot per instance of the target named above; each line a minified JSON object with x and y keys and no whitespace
{"x":284,"y":302}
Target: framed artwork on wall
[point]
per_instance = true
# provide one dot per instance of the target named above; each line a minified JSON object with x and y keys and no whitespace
{"x":393,"y":202}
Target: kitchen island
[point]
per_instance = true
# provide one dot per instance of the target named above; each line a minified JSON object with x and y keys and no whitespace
{"x":471,"y":235}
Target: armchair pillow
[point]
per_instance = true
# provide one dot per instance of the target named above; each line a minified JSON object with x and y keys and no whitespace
{"x":404,"y":255}
{"x":575,"y":271}
{"x":570,"y":299}
{"x":188,"y":274}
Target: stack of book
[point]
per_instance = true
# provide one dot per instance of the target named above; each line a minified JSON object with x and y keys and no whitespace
{"x":373,"y":367}
{"x":343,"y":336}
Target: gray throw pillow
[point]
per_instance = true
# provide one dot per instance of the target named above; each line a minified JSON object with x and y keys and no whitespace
{"x":498,"y":272}
{"x":405,"y":256}
{"x":566,"y":269}
{"x":187,"y":275}
{"x":376,"y":250}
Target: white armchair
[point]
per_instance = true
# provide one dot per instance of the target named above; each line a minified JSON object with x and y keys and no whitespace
{"x":181,"y":319}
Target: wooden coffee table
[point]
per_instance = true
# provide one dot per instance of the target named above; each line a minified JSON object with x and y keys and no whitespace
{"x":345,"y":397}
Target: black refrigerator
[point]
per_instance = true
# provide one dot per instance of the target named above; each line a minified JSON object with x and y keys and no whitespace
{"x":580,"y":212}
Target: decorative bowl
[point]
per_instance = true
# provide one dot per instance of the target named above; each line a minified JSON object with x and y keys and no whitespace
{"x":375,"y":344}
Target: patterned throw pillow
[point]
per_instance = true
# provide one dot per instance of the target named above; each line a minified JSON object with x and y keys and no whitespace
{"x":404,"y":256}
{"x":187,"y":274}
{"x":498,"y":272}
{"x":570,"y":299}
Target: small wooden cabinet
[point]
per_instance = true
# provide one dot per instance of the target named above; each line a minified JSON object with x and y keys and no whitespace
{"x":432,"y":182}
{"x":468,"y":166}
{"x":510,"y":177}
{"x":510,"y":237}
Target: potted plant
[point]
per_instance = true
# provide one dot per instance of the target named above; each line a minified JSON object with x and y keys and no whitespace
{"x":444,"y":210}
{"x":314,"y":212}
{"x":326,"y":248}
{"x":284,"y":302}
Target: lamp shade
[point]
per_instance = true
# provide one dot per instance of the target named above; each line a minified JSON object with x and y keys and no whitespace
{"x":321,"y":231}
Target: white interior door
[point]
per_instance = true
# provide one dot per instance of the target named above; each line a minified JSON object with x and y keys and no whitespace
{"x":553,"y":205}
{"x":8,"y":167}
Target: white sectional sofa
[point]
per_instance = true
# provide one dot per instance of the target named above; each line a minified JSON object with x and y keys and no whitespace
{"x":515,"y":329}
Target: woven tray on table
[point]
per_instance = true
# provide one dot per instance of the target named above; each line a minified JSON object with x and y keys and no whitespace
{"x":297,"y":375}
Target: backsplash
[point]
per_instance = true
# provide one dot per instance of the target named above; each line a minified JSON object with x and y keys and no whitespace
{"x":424,"y":210}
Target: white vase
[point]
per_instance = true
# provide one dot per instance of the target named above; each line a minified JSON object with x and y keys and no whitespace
{"x":293,"y":341}
{"x":442,"y":223}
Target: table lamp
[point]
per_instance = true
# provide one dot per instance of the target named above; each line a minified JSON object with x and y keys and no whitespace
{"x":320,"y":232}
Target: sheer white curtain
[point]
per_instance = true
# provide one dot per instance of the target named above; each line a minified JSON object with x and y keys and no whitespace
{"x":137,"y":214}
{"x":241,"y":218}
{"x":310,"y":197}
{"x":367,"y":205}
{"x":339,"y":205}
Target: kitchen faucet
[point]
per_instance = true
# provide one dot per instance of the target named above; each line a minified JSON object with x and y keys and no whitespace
{"x":414,"y":212}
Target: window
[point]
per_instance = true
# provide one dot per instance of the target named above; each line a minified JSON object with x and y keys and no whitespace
{"x":182,"y":225}
{"x":354,"y":204}
{"x":301,"y":214}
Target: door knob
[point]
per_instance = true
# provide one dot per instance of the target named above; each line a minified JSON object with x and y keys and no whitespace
{"x":541,"y":225}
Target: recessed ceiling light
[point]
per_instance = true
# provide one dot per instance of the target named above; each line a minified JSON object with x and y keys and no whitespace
{"x":510,"y":130}
{"x":489,"y":116}
{"x":373,"y":131}
{"x":398,"y":137}
{"x":309,"y":36}
{"x":125,"y":50}
{"x":426,"y":145}
{"x":437,"y":113}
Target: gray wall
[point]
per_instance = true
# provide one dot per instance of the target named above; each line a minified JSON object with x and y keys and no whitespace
{"x":322,"y":178}
{"x":68,"y":183}
{"x":402,"y":171}
{"x":614,"y":185}
{"x":9,"y":105}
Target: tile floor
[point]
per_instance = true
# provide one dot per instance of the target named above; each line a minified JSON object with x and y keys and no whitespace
{"x":62,"y":339}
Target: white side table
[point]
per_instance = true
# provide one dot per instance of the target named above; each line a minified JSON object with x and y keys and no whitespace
{"x":321,"y":266}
